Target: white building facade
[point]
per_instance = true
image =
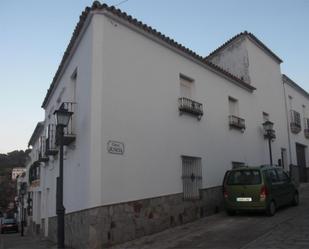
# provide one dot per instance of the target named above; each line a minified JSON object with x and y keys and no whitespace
{"x":154,"y":128}
{"x":18,"y":171}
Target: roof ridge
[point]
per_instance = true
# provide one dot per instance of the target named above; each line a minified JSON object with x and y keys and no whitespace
{"x":241,"y":34}
{"x":121,"y":14}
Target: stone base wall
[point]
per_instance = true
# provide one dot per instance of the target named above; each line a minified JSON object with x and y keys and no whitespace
{"x":33,"y":228}
{"x":103,"y":226}
{"x":294,"y":173}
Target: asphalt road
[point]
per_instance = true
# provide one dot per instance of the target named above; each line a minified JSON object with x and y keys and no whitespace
{"x":288,"y":229}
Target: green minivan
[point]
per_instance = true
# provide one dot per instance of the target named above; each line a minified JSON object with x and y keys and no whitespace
{"x":262,"y":188}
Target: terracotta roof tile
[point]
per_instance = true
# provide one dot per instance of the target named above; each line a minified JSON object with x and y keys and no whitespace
{"x":295,"y":85}
{"x":244,"y":34}
{"x":97,"y":6}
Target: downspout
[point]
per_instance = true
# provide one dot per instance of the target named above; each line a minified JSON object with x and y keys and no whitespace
{"x":287,"y":122}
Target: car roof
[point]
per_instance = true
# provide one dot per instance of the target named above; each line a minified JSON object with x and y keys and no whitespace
{"x":261,"y":167}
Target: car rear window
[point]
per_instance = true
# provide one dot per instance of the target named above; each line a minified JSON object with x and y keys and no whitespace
{"x":244,"y":177}
{"x":8,"y":221}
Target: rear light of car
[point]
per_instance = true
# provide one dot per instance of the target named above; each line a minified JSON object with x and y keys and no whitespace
{"x":263,"y":193}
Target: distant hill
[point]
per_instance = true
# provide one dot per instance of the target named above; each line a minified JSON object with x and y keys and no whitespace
{"x":16,"y":158}
{"x":8,"y":161}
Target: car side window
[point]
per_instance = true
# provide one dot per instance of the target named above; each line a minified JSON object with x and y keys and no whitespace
{"x":272,"y":175}
{"x":283,"y":177}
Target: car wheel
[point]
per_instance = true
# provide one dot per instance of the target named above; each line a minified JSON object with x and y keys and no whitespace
{"x":295,"y":200}
{"x":271,"y":209}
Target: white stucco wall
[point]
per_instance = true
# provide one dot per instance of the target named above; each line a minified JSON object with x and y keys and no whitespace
{"x":140,"y":80}
{"x":265,"y":75}
{"x":297,"y":103}
{"x":234,"y":59}
{"x":78,"y":184}
{"x":127,"y":91}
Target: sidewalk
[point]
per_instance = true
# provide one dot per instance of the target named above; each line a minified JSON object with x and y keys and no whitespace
{"x":15,"y":241}
{"x":216,"y":231}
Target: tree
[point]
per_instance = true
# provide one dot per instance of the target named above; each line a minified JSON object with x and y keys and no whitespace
{"x":7,"y":186}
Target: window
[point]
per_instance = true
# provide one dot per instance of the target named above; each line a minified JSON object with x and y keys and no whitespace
{"x":73,"y":85}
{"x":265,"y":116}
{"x":295,"y":122}
{"x":186,"y":85}
{"x":283,"y":177}
{"x":233,"y":107}
{"x":272,"y":176}
{"x":244,"y":177}
{"x":191,"y":177}
{"x":234,"y":120}
{"x":186,"y":104}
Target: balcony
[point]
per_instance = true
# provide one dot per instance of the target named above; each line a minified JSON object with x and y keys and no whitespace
{"x":295,"y":127}
{"x":237,"y":122}
{"x":69,"y":135}
{"x":295,"y":123}
{"x":34,"y":174}
{"x":42,"y":150}
{"x":190,"y":107}
{"x":50,"y":144}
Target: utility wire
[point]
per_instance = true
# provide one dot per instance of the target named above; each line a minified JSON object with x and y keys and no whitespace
{"x":120,"y":3}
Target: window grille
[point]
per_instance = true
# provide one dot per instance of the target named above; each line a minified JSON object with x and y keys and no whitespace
{"x":295,"y":118}
{"x":191,"y":177}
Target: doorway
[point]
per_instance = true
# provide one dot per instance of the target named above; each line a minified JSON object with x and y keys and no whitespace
{"x":301,"y":162}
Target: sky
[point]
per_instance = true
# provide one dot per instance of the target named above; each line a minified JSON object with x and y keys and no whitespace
{"x":35,"y":33}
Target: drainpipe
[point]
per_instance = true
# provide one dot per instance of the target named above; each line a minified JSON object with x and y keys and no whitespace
{"x":287,"y":122}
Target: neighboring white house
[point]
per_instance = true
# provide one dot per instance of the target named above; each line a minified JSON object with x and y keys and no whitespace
{"x":297,"y":112}
{"x":17,"y":172}
{"x":155,"y":127}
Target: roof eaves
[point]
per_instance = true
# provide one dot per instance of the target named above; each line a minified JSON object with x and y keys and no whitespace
{"x":37,"y":131}
{"x":250,"y":36}
{"x":295,"y":85}
{"x":111,"y":9}
{"x":264,"y":47}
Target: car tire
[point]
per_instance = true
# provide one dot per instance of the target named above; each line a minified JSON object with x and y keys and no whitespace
{"x":295,"y":200}
{"x":230,"y":212}
{"x":271,"y":209}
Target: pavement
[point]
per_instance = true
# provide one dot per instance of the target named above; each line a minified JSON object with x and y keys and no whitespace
{"x":15,"y":241}
{"x":288,"y":229}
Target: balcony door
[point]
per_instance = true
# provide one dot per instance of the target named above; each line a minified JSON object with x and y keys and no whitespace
{"x":301,"y":161}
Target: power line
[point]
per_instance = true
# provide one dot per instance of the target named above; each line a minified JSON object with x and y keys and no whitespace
{"x":120,"y":3}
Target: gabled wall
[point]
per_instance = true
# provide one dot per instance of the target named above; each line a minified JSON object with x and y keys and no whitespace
{"x":137,"y":88}
{"x":245,"y":58}
{"x":234,"y":59}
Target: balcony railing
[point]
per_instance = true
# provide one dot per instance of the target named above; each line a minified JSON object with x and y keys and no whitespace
{"x":237,"y":122}
{"x":306,"y":132}
{"x":189,"y":106}
{"x":51,"y":148}
{"x":306,"y":127}
{"x":34,"y":174}
{"x":295,"y":122}
{"x":43,"y":157}
{"x":69,"y":131}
